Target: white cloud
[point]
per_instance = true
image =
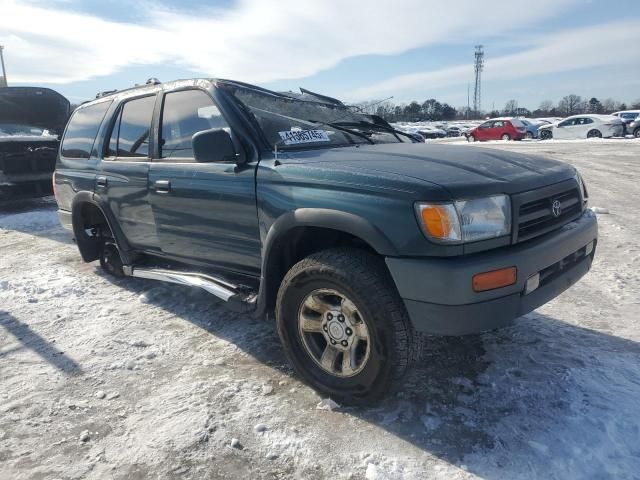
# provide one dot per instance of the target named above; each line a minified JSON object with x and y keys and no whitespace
{"x":255,"y":40}
{"x":595,"y":46}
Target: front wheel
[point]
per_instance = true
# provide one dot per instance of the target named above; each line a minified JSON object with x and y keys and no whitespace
{"x":545,"y":135}
{"x":471,"y":138}
{"x":636,"y":132}
{"x":529,"y":136}
{"x":344,"y":327}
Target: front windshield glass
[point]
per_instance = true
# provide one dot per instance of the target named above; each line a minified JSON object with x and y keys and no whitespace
{"x":293,"y":123}
{"x":21,"y":130}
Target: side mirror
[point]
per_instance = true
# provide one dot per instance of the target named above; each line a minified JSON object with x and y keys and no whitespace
{"x":213,"y":145}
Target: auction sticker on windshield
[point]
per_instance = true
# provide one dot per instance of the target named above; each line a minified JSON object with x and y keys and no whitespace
{"x":295,"y":137}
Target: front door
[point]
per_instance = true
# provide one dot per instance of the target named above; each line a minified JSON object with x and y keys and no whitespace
{"x":483,"y":130}
{"x":564,"y":129}
{"x":123,"y":179}
{"x":205,"y":212}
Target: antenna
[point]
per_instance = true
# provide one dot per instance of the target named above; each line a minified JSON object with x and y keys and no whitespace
{"x":478,"y":67}
{"x":3,"y":80}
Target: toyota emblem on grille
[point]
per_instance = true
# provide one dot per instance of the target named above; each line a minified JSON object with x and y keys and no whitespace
{"x":556,"y":208}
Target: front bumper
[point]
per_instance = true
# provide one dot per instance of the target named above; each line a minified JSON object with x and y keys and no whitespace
{"x":438,"y":292}
{"x":25,"y":185}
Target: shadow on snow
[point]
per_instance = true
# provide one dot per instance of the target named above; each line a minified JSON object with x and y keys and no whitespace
{"x":540,"y":398}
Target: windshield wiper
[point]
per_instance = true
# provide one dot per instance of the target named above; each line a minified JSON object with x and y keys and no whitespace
{"x":374,"y":127}
{"x":339,"y":126}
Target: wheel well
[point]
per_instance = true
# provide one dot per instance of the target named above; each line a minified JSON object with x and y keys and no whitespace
{"x":298,"y":243}
{"x":89,"y":226}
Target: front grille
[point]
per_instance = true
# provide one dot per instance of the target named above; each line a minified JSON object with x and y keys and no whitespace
{"x":536,"y":215}
{"x":42,"y":159}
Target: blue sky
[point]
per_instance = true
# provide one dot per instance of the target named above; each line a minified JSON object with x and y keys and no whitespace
{"x":353,"y":49}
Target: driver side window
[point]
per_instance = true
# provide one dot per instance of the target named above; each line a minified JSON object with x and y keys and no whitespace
{"x":486,"y":125}
{"x":567,"y":123}
{"x":184,"y":114}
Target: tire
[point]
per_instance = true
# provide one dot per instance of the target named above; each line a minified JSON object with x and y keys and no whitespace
{"x":323,"y":281}
{"x":506,"y":137}
{"x":546,"y":135}
{"x":636,"y":133}
{"x":110,"y":260}
{"x":471,"y":138}
{"x":529,"y":136}
{"x":594,"y":134}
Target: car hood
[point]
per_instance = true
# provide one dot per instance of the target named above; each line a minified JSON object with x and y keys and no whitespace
{"x":464,"y":171}
{"x":40,"y":107}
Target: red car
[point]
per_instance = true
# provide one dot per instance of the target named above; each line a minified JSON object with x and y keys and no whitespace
{"x":498,"y":129}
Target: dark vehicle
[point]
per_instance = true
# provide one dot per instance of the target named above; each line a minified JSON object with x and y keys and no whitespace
{"x":359,"y":240}
{"x":455,"y":131}
{"x":31,"y":120}
{"x":498,"y":129}
{"x":532,"y":126}
{"x":634,"y":128}
{"x":431,"y":132}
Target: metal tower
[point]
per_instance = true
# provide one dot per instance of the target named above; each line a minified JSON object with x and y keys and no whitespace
{"x":3,"y":79}
{"x":479,"y":65}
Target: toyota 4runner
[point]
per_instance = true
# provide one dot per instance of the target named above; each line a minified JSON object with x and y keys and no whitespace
{"x":360,"y":240}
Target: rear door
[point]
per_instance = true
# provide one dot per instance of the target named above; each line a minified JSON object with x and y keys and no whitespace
{"x":497,"y":130}
{"x":582,"y":127}
{"x":123,"y":179}
{"x":205,"y":212}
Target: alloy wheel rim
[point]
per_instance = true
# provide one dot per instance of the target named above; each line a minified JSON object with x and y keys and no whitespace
{"x":334,"y":333}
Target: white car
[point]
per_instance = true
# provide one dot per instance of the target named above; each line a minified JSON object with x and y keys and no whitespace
{"x":627,"y":116}
{"x":583,"y":126}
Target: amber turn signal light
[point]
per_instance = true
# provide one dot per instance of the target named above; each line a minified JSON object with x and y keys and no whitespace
{"x":437,"y":220}
{"x":494,"y":279}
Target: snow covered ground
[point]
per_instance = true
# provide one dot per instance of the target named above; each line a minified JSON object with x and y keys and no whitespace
{"x":104,"y":378}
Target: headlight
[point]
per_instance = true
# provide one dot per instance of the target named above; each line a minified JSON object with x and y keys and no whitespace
{"x":466,"y":220}
{"x":584,"y":195}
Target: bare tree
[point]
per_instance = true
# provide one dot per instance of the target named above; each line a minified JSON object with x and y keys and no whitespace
{"x":511,"y":107}
{"x":571,"y":105}
{"x":545,"y":107}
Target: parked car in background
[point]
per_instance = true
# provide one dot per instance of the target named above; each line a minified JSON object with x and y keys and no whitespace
{"x":583,"y":126}
{"x":456,"y":131}
{"x":627,"y":116}
{"x":431,"y":132}
{"x":31,"y":119}
{"x":498,"y":129}
{"x":532,"y":127}
{"x":416,"y":137}
{"x":634,"y":128}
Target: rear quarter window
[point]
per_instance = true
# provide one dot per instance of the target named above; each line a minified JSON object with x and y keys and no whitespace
{"x":82,"y":130}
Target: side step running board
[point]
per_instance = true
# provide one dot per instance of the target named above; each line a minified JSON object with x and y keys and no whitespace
{"x":225,"y":291}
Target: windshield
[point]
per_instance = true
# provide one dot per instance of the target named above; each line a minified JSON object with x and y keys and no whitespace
{"x":22,"y":130}
{"x":292,"y":123}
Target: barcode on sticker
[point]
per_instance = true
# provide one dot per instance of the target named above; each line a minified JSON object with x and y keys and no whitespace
{"x":294,"y":137}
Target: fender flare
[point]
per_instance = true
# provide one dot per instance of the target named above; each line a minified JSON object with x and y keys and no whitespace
{"x":321,"y":218}
{"x":88,"y":251}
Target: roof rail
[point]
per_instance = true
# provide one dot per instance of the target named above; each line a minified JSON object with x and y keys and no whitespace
{"x":105,"y":93}
{"x":150,"y":81}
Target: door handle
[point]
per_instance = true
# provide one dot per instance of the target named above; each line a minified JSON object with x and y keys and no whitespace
{"x":101,"y":181}
{"x":162,"y":186}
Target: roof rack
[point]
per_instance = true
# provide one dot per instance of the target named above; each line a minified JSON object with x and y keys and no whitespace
{"x":150,"y":81}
